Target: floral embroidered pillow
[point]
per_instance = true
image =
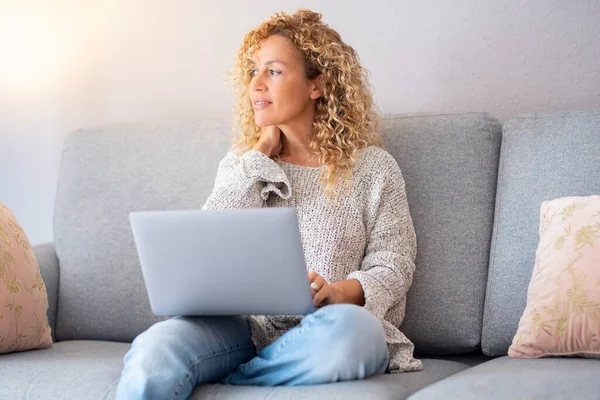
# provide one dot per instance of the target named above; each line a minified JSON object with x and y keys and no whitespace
{"x":23,"y":298}
{"x":562,"y":316}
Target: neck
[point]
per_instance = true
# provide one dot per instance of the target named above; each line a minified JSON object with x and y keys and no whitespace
{"x":295,"y":144}
{"x":295,"y":138}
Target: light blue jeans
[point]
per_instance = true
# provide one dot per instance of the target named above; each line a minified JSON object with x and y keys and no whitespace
{"x":335,"y":343}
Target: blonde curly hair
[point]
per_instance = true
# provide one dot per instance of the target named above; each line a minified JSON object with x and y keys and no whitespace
{"x":346,"y":119}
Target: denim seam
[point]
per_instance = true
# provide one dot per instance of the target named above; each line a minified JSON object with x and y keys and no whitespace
{"x":281,"y":345}
{"x":192,"y":363}
{"x":287,"y":340}
{"x":188,"y":376}
{"x":301,"y":329}
{"x":297,"y":330}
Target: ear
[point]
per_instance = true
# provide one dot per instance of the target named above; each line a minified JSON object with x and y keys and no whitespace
{"x":317,"y":87}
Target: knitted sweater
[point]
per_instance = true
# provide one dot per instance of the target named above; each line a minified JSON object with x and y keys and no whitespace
{"x":365,"y":234}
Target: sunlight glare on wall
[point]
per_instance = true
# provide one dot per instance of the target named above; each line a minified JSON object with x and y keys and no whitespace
{"x":31,"y":52}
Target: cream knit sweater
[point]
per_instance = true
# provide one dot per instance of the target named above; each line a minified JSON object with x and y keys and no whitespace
{"x":365,"y":234}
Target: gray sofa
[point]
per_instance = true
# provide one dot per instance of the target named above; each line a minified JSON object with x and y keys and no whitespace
{"x":474,"y":189}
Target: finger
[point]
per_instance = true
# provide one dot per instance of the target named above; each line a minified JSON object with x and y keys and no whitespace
{"x":320,"y":284}
{"x":312,"y":276}
{"x":320,"y":298}
{"x":280,"y":147}
{"x":317,"y":279}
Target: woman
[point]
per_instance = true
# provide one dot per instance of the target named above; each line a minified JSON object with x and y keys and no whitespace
{"x":307,"y":140}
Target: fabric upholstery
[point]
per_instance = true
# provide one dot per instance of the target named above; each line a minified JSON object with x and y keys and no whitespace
{"x":48,"y":264}
{"x":67,"y":370}
{"x":506,"y":378}
{"x":450,"y":179}
{"x":388,"y":386}
{"x":380,"y":387}
{"x":23,"y":298}
{"x":106,"y":173}
{"x":449,"y":164}
{"x":91,"y":370}
{"x":543,"y":157}
{"x":562,"y":316}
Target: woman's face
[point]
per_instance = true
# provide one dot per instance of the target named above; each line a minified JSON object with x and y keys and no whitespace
{"x":279,"y":90}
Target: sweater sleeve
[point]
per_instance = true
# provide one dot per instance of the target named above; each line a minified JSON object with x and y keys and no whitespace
{"x":387,"y":268}
{"x":246,"y":181}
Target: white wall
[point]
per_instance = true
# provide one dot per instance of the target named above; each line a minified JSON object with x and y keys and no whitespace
{"x":69,"y":64}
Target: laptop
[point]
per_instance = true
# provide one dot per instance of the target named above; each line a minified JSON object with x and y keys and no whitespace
{"x":222,"y":262}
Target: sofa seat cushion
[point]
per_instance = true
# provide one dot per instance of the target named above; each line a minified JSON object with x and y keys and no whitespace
{"x":502,"y":378}
{"x":66,"y":370}
{"x":388,"y":386}
{"x":80,"y":369}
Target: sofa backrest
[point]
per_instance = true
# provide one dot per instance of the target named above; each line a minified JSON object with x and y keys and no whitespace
{"x":543,"y":157}
{"x":105,"y":174}
{"x":449,"y":163}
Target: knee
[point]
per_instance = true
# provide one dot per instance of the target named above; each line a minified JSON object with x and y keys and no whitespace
{"x":158,"y":333}
{"x":351,"y":323}
{"x":353,"y":332}
{"x":156,"y":350}
{"x":155,"y":365}
{"x":349,"y":344}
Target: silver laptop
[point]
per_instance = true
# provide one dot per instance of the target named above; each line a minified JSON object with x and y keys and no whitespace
{"x":229,"y":262}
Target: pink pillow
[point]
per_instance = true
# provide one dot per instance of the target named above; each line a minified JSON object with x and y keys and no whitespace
{"x":562,"y":316}
{"x":23,"y":298}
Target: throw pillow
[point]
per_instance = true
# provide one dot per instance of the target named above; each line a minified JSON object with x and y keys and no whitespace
{"x":562,"y":316}
{"x":23,"y":298}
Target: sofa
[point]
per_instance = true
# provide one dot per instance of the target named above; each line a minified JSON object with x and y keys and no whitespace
{"x":474,"y":188}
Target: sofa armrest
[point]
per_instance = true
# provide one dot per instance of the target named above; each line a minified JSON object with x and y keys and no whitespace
{"x":48,"y":264}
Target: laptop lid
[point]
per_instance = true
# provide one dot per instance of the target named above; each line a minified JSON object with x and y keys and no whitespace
{"x":222,"y":262}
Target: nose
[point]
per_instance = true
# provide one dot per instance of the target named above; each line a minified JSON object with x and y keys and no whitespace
{"x":258,"y":84}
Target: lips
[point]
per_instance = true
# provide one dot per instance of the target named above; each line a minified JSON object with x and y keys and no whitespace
{"x":261,"y":104}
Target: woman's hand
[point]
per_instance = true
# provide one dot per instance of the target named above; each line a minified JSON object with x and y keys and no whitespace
{"x":269,"y":141}
{"x":348,"y":291}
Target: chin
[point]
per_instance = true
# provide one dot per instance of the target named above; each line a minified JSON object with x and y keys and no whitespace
{"x":262,"y":121}
{"x":259,"y":122}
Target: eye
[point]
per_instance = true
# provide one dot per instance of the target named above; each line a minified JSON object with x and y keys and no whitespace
{"x":253,"y":72}
{"x":273,"y":72}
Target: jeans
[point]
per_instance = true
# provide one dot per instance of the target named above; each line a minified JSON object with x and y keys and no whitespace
{"x":335,"y":343}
